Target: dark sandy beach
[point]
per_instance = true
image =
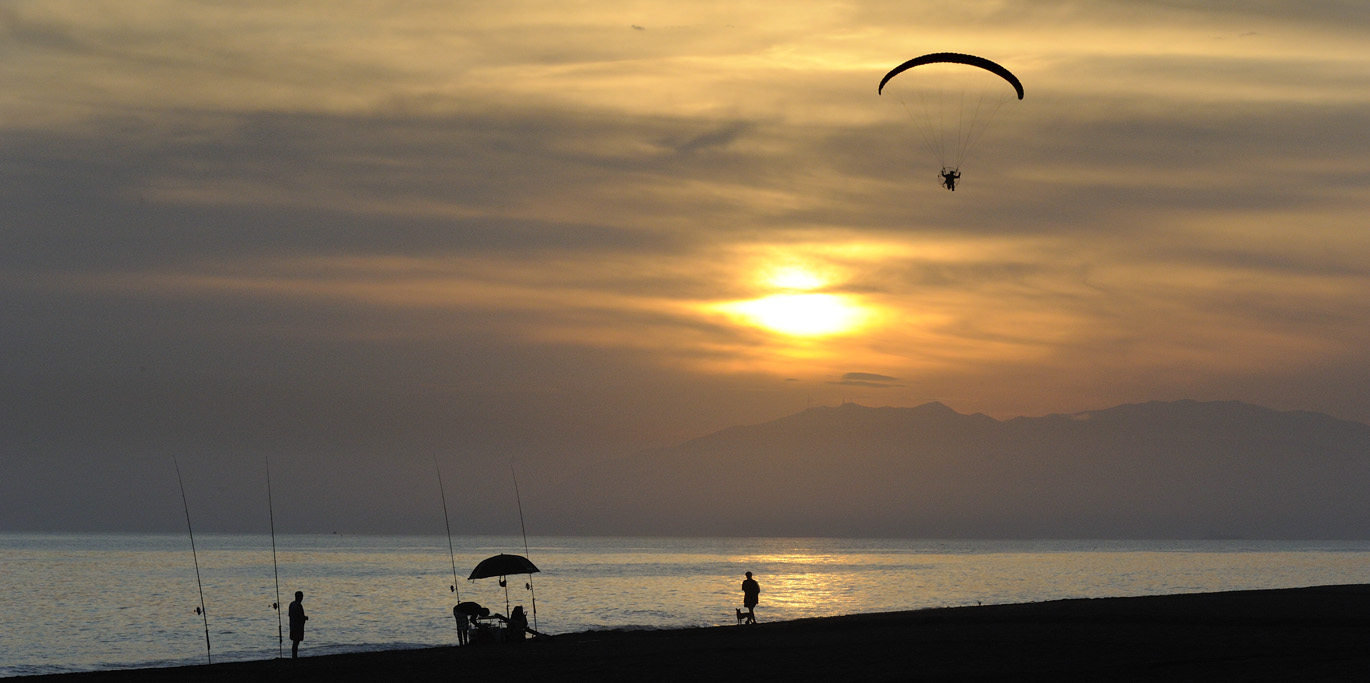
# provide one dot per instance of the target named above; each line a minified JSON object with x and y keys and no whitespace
{"x":1309,"y":634}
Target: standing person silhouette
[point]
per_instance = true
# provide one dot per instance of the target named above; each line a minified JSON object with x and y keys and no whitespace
{"x":463,"y":625}
{"x":751,"y":592}
{"x":297,"y":619}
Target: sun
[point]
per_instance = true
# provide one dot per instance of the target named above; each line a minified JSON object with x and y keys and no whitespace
{"x":801,"y":315}
{"x":796,"y":309}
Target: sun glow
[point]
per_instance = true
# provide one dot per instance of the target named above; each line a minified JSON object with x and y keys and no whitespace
{"x":797,"y":309}
{"x":802,"y":315}
{"x":795,"y":278}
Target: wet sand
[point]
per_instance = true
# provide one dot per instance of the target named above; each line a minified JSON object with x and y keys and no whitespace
{"x":1308,"y":634}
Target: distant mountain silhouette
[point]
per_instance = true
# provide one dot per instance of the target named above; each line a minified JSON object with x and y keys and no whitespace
{"x":1182,"y":469}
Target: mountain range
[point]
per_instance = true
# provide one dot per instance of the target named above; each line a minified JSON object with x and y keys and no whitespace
{"x":1182,"y":469}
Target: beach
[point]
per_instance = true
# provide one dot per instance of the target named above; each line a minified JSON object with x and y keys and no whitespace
{"x":1304,"y":634}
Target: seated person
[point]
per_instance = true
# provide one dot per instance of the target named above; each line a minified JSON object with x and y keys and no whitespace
{"x":518,"y":623}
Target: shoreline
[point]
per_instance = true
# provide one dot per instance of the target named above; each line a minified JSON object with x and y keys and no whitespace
{"x":1315,"y":633}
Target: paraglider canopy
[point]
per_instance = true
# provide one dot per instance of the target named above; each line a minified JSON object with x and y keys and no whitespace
{"x":951,"y":98}
{"x":954,"y":58}
{"x":502,"y":565}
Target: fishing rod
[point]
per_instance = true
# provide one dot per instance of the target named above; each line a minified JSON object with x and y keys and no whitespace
{"x":201,"y":609}
{"x":451,"y":552}
{"x":524,"y":529}
{"x":271,"y":516}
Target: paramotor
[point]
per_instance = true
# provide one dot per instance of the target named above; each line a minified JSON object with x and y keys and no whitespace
{"x":951,"y":98}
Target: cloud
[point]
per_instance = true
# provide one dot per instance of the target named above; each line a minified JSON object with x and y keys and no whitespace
{"x":718,"y":138}
{"x":869,"y":377}
{"x":866,"y":379}
{"x":505,"y":225}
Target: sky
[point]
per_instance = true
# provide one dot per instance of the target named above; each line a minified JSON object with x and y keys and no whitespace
{"x":360,"y":243}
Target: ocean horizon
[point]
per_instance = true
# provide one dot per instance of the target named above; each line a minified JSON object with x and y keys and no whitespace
{"x":84,"y":602}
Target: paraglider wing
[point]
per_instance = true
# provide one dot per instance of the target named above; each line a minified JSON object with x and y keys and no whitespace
{"x":502,"y":565}
{"x":954,"y":58}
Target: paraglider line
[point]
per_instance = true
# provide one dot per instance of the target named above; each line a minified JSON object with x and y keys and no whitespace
{"x":926,"y":129}
{"x":980,"y":122}
{"x":960,"y":129}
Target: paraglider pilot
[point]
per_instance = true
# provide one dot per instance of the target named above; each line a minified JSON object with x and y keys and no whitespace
{"x":949,"y":178}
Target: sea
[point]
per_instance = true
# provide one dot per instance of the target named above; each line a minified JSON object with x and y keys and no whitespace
{"x":96,"y":602}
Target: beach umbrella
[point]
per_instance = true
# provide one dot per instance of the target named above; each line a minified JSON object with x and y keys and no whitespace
{"x":503,"y":565}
